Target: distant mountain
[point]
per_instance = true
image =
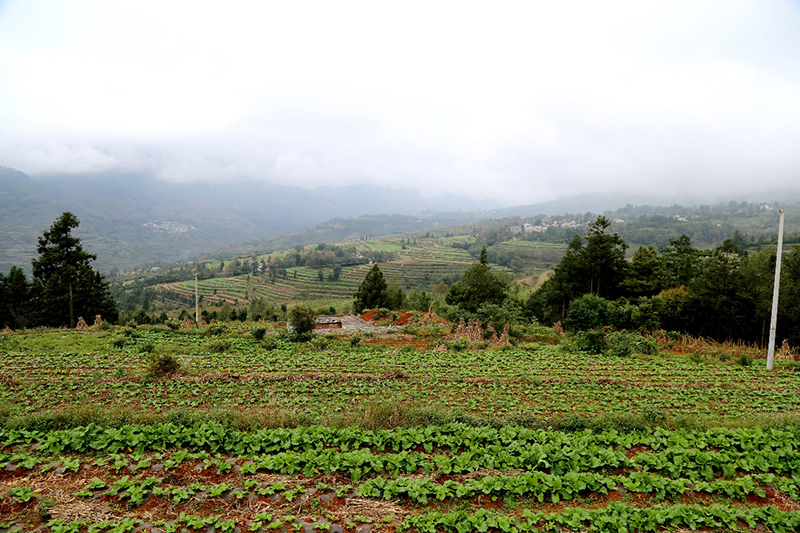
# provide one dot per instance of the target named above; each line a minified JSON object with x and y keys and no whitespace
{"x":26,"y":210}
{"x":134,"y":220}
{"x":351,"y":229}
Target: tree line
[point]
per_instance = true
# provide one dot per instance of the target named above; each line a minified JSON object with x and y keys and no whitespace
{"x":722,"y":293}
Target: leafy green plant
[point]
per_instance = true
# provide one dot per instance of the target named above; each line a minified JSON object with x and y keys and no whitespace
{"x":22,"y":494}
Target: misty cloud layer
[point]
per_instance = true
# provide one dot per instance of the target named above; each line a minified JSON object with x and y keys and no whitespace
{"x":519,"y":103}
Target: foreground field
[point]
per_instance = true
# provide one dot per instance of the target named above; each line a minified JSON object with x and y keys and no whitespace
{"x":367,"y":434}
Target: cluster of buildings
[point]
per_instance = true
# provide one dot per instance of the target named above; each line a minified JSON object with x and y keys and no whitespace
{"x":544,"y":226}
{"x":168,"y":227}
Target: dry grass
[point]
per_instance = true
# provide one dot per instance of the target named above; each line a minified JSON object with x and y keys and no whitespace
{"x":372,"y":509}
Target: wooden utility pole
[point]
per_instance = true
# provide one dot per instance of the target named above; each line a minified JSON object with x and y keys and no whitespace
{"x":71,"y":308}
{"x":773,"y":321}
{"x":196,"y":305}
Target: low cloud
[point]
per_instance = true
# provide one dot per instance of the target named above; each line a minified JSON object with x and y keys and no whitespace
{"x":58,"y":157}
{"x":292,"y":164}
{"x":519,"y":103}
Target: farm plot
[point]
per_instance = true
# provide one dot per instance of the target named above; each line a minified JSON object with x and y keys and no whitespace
{"x":235,"y":371}
{"x":453,"y":477}
{"x":142,"y":453}
{"x":302,"y":284}
{"x":544,"y":255}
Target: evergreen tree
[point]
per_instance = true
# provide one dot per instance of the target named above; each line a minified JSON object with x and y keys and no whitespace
{"x":719,"y":301}
{"x":16,"y":310}
{"x":604,"y":259}
{"x":788,"y":326}
{"x":373,"y":291}
{"x":597,"y":267}
{"x":681,"y":261}
{"x":65,"y":285}
{"x":645,"y":273}
{"x":478,"y":285}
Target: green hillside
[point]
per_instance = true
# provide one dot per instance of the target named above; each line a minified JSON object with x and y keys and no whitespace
{"x":410,"y":263}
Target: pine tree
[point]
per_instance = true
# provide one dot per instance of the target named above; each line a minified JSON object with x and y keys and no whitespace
{"x":65,"y":285}
{"x":373,"y":291}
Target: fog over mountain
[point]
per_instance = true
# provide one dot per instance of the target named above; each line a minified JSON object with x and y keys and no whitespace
{"x":509,"y":104}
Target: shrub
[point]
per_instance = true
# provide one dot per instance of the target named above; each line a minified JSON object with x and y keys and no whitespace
{"x":593,"y":341}
{"x":217,"y":329}
{"x":321,"y":343}
{"x":647,"y":315}
{"x":648,"y":346}
{"x":458,"y":345}
{"x":147,"y":347}
{"x":355,"y":340}
{"x":270,"y":343}
{"x":258,"y":332}
{"x":162,"y":364}
{"x":587,"y":312}
{"x":173,"y":324}
{"x":301,"y":323}
{"x":218,"y":345}
{"x":744,"y":360}
{"x":621,"y":344}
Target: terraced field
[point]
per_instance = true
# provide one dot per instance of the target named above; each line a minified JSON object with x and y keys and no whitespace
{"x":417,"y":267}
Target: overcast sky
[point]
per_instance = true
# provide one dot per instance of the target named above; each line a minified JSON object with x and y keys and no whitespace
{"x":519,"y":102}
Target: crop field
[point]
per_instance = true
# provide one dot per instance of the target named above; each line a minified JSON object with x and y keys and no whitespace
{"x":417,"y":267}
{"x":386,"y":434}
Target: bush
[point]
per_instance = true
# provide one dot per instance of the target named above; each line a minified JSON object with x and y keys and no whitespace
{"x":217,"y":329}
{"x":173,"y":324}
{"x":587,"y":312}
{"x":301,"y":324}
{"x":147,"y":347}
{"x":647,"y":315}
{"x":162,"y":364}
{"x":321,"y":343}
{"x":458,"y":345}
{"x":621,"y":344}
{"x":218,"y":345}
{"x":591,"y":341}
{"x":118,"y":342}
{"x":258,"y":332}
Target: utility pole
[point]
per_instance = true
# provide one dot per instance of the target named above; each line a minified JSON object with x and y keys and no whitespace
{"x":71,"y":308}
{"x":197,"y":304}
{"x":773,"y":321}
